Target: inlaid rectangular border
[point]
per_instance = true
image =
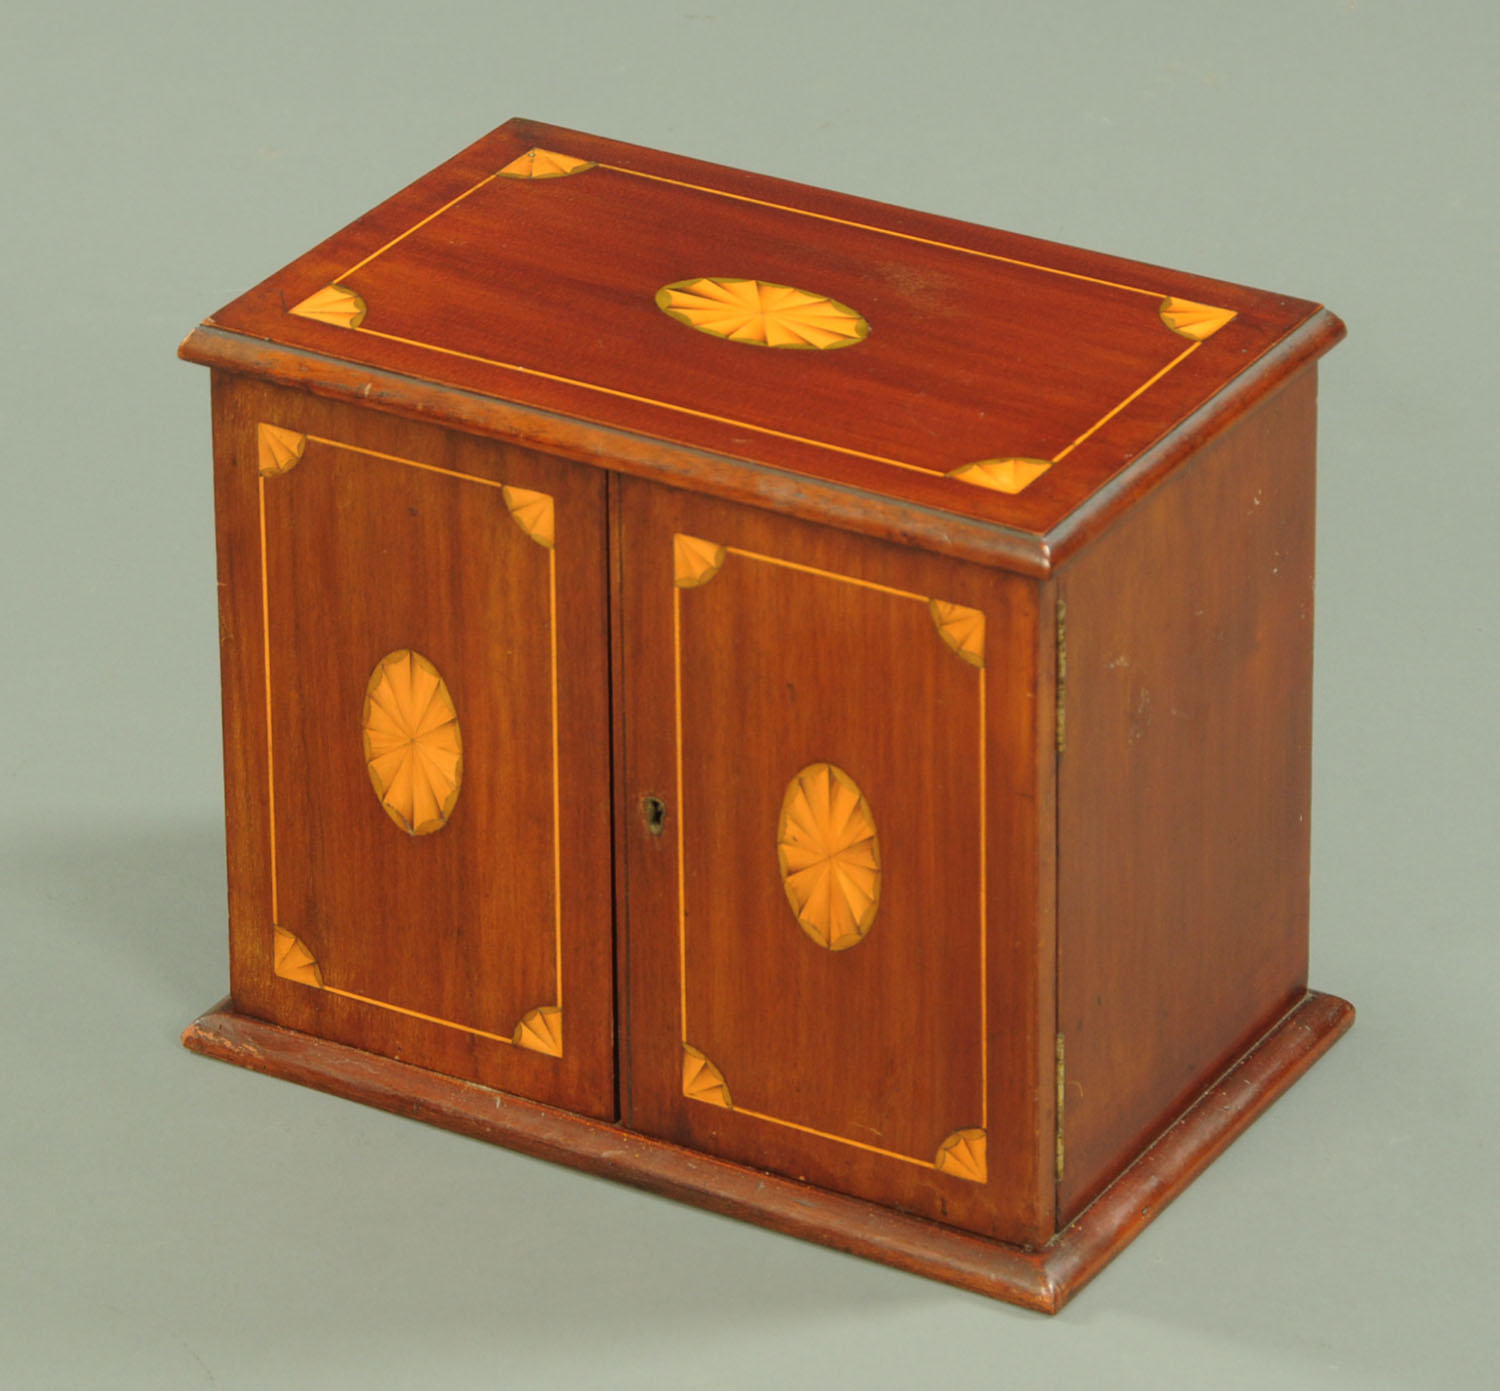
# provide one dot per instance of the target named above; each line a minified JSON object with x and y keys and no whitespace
{"x":983,"y":817}
{"x":265,"y":601}
{"x":1160,"y":295}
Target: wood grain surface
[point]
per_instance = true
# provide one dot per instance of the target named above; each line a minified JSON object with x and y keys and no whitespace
{"x":383,"y":536}
{"x":775,"y":814}
{"x":1043,"y":1279}
{"x":849,"y":1068}
{"x":1184,"y":788}
{"x":982,"y":344}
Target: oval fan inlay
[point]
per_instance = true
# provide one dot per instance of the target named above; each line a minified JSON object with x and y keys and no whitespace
{"x":829,"y":856}
{"x":755,"y":311}
{"x":412,"y":745}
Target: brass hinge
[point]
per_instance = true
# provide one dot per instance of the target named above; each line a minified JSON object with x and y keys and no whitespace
{"x":1062,"y":674}
{"x":1062,"y":1087}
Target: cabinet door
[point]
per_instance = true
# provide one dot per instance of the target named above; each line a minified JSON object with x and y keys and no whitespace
{"x":417,"y":735}
{"x":832,"y":860}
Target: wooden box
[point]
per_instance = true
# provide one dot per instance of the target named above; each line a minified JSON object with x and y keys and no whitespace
{"x":797,"y":704}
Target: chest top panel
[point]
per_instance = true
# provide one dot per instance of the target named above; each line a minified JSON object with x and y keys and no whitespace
{"x":929,"y":362}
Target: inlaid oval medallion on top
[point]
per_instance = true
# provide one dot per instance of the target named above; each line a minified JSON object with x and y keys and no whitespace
{"x":413,"y":749}
{"x":758,"y":312}
{"x":829,"y":855}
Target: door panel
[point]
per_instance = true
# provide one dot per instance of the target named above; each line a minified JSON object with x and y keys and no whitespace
{"x":433,"y":654}
{"x":823,"y":978}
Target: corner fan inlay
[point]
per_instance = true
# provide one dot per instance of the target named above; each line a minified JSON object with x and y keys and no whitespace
{"x":413,"y":750}
{"x":758,"y":312}
{"x":829,"y":856}
{"x":333,"y":304}
{"x":545,"y":164}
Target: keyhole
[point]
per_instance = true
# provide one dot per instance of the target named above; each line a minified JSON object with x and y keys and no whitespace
{"x":654,"y":811}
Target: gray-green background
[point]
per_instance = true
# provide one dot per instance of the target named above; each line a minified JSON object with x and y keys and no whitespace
{"x":165,"y":1222}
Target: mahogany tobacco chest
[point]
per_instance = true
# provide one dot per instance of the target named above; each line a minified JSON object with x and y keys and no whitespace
{"x":794,"y":703}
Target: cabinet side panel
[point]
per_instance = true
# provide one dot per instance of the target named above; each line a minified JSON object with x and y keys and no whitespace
{"x":1184,"y":786}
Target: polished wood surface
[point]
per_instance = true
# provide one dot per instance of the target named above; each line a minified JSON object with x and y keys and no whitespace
{"x":1043,"y":1279}
{"x":982,"y":345}
{"x":867,"y":514}
{"x":445,"y":934}
{"x":758,"y":653}
{"x":1184,"y":786}
{"x":819,"y":693}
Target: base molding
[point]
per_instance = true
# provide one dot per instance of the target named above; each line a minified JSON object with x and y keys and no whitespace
{"x":1042,"y":1279}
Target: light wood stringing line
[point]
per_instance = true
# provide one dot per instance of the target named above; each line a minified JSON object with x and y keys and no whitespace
{"x":265,"y":629}
{"x":648,"y":401}
{"x":839,"y":1139}
{"x":984,"y":913}
{"x":417,"y":1014}
{"x":556,"y":778}
{"x":1139,"y":391}
{"x":681,"y":867}
{"x":827,"y":574}
{"x":416,"y":227}
{"x":410,"y":463}
{"x":883,"y":231}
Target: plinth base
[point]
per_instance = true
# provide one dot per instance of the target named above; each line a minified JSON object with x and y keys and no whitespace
{"x":1043,"y":1279}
